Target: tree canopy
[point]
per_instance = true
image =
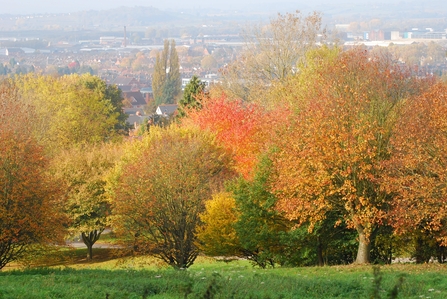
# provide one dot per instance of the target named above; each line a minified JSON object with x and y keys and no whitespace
{"x":82,"y":172}
{"x":192,"y":95}
{"x":72,"y":110}
{"x":161,"y":191}
{"x":272,"y":53}
{"x":331,"y":158}
{"x":166,"y":80}
{"x":29,"y":206}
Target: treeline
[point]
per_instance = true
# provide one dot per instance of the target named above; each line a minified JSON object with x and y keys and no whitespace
{"x":46,"y":124}
{"x":304,"y":155}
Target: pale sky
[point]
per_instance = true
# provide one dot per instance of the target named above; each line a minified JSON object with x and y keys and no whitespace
{"x":56,"y":6}
{"x":51,"y":6}
{"x":65,"y":6}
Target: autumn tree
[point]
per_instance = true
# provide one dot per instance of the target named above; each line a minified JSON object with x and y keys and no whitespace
{"x":271,"y":53}
{"x":217,"y":235}
{"x":208,"y":62}
{"x":417,"y":170}
{"x":82,"y":172}
{"x":162,"y":188}
{"x":29,"y":212}
{"x":141,"y":62}
{"x":245,"y":130}
{"x":166,"y":80}
{"x":331,"y":157}
{"x":192,"y":94}
{"x":75,"y":109}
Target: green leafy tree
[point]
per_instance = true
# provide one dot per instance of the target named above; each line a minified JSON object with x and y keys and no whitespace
{"x":166,"y":80}
{"x":108,"y":93}
{"x":259,"y":225}
{"x":191,"y":96}
{"x":86,"y":69}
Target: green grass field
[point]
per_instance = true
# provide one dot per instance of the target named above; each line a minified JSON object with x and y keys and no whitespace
{"x":124,"y":277}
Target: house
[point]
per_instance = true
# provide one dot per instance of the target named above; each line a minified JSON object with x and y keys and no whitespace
{"x":146,"y":90}
{"x":135,"y":118}
{"x":135,"y":98}
{"x":126,"y":83}
{"x":166,"y":109}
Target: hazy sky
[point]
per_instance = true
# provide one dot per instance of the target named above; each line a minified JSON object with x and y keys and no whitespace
{"x":56,"y":6}
{"x":50,"y":6}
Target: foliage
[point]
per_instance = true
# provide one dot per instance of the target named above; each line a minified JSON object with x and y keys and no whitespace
{"x":28,"y":198}
{"x":267,"y":237}
{"x":217,"y":235}
{"x":166,"y":81}
{"x":4,"y":70}
{"x":417,"y":169}
{"x":192,"y":95}
{"x":421,"y":54}
{"x":330,"y":159}
{"x":161,"y":191}
{"x":295,"y":91}
{"x":271,"y":53}
{"x":245,"y":130}
{"x":259,"y":225}
{"x":82,"y":172}
{"x":208,"y":62}
{"x":252,"y":228}
{"x":72,"y":110}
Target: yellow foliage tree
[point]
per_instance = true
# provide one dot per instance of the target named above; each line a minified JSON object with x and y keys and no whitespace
{"x":217,"y":235}
{"x":72,"y":110}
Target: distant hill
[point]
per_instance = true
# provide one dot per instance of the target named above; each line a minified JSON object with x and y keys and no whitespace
{"x":91,"y":19}
{"x":392,"y":14}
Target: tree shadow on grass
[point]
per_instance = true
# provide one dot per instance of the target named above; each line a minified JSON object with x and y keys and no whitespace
{"x":67,"y":256}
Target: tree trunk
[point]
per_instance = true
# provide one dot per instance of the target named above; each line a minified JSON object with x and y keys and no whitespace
{"x":320,"y":252}
{"x":89,"y":251}
{"x":390,"y":254}
{"x":363,"y":252}
{"x":89,"y":239}
{"x":421,"y":251}
{"x":441,"y":254}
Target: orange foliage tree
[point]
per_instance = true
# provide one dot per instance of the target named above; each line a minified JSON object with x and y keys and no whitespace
{"x":331,"y":157}
{"x":28,"y":209}
{"x":418,"y":168}
{"x":244,"y":129}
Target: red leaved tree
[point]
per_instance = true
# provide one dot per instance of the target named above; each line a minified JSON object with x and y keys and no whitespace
{"x":244,"y":129}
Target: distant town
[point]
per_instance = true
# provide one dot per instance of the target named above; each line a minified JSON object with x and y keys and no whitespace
{"x":124,"y":55}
